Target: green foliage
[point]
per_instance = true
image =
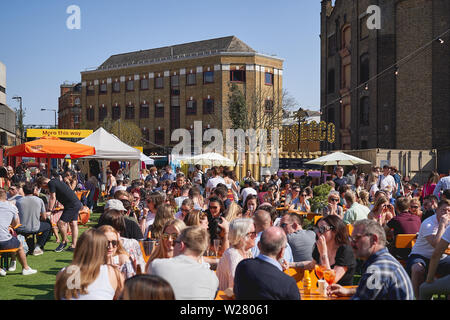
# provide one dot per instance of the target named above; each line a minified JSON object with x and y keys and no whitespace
{"x":320,"y":198}
{"x":237,"y":108}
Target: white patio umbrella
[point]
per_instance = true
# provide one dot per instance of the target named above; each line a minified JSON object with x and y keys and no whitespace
{"x":338,"y":159}
{"x":211,"y":158}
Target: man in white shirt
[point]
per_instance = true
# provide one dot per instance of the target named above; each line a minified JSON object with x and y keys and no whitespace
{"x":430,"y":234}
{"x":214,"y":181}
{"x":387,"y":182}
{"x":189,"y":278}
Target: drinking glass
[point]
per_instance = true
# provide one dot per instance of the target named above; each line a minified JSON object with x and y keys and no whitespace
{"x":319,"y":271}
{"x":329,"y":276}
{"x":216,"y":246}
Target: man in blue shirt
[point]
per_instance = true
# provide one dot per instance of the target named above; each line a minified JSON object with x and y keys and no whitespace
{"x":383,"y":277}
{"x":169,"y":175}
{"x":340,"y":179}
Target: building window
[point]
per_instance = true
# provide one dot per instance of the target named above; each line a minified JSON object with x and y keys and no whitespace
{"x":90,"y":113}
{"x":90,"y":90}
{"x":175,"y":101}
{"x":116,"y":86}
{"x":332,"y":45}
{"x":268,"y":78}
{"x":268,"y":106}
{"x":191,"y":79}
{"x":159,"y":110}
{"x":115,"y":112}
{"x":2,"y":89}
{"x":208,"y":106}
{"x":77,"y":101}
{"x":103,"y":88}
{"x":144,"y":84}
{"x":102,"y":113}
{"x":364,"y":72}
{"x":129,"y":112}
{"x":364,"y":111}
{"x":76,"y":119}
{"x":159,"y":137}
{"x":159,"y":83}
{"x":130,"y":85}
{"x":175,"y":81}
{"x":208,"y":77}
{"x":191,"y":107}
{"x":237,"y":76}
{"x":144,"y":112}
{"x":331,"y":81}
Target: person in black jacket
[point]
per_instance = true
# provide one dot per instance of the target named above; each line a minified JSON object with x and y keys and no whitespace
{"x":263,"y":278}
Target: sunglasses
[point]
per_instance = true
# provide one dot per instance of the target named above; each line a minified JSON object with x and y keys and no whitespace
{"x":112,"y":243}
{"x":324,"y":229}
{"x":334,"y":200}
{"x":213,"y":207}
{"x":414,"y":207}
{"x":167,"y":236}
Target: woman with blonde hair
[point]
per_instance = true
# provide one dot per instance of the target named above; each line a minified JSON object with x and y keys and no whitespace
{"x":196,"y":218}
{"x":382,"y":211}
{"x":233,"y":211}
{"x":164,"y":213}
{"x":372,"y":185}
{"x":415,"y":207}
{"x":363,"y":196}
{"x":89,"y":276}
{"x":121,"y":252}
{"x":164,"y":250}
{"x":241,"y":236}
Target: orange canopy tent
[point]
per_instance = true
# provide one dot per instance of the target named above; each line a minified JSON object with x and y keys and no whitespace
{"x":50,"y":147}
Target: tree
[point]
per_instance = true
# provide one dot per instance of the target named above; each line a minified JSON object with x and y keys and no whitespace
{"x":126,"y":131}
{"x":237,"y":108}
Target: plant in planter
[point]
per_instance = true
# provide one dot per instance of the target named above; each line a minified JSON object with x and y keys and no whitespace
{"x":320,"y":199}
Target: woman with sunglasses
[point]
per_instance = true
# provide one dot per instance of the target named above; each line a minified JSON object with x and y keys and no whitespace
{"x":164,"y":250}
{"x":415,"y":207}
{"x":333,"y":207}
{"x":242,"y":238}
{"x":300,"y":204}
{"x":332,"y":250}
{"x":382,"y":211}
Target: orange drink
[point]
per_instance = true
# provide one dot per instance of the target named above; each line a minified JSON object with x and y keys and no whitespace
{"x":319,"y":271}
{"x":329,"y":276}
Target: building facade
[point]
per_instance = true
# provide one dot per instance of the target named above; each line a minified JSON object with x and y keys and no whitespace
{"x":388,"y":87}
{"x":69,"y":106}
{"x":167,"y":88}
{"x":7,"y":114}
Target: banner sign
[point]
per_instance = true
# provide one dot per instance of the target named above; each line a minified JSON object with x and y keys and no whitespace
{"x":60,"y":133}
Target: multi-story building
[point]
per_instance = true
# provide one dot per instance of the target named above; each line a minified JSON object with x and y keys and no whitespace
{"x":387,"y":87}
{"x":69,"y":106}
{"x":167,"y":88}
{"x":7,"y":115}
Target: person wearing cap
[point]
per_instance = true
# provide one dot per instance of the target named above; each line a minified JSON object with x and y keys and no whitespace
{"x":132,"y":229}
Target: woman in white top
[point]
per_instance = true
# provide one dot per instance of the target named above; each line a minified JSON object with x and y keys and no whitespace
{"x":242,"y":238}
{"x":89,"y":277}
{"x":372,"y":185}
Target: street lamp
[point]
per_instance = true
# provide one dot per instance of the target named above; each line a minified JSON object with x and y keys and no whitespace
{"x":54,"y":110}
{"x":19,"y":118}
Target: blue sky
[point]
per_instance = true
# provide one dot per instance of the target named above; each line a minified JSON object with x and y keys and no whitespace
{"x":40,"y":52}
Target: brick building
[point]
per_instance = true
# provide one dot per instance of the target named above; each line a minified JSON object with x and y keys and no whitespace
{"x":167,"y":88}
{"x":69,"y":106}
{"x":389,"y":87}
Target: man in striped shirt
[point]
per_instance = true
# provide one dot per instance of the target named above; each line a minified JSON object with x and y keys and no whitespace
{"x":383,"y":277}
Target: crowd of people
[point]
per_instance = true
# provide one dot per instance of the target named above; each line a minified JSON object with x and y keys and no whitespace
{"x":208,"y":231}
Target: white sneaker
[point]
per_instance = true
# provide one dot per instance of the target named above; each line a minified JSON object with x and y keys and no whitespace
{"x":2,"y":272}
{"x":12,"y":267}
{"x":28,"y":271}
{"x":37,"y":251}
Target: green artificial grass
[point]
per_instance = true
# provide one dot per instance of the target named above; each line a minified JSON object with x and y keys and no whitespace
{"x":39,"y":286}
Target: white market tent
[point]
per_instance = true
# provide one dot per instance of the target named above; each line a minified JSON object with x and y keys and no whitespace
{"x":147,"y":159}
{"x":109,"y":147}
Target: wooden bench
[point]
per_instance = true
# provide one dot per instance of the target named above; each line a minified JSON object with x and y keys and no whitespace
{"x":5,"y":257}
{"x":404,"y":241}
